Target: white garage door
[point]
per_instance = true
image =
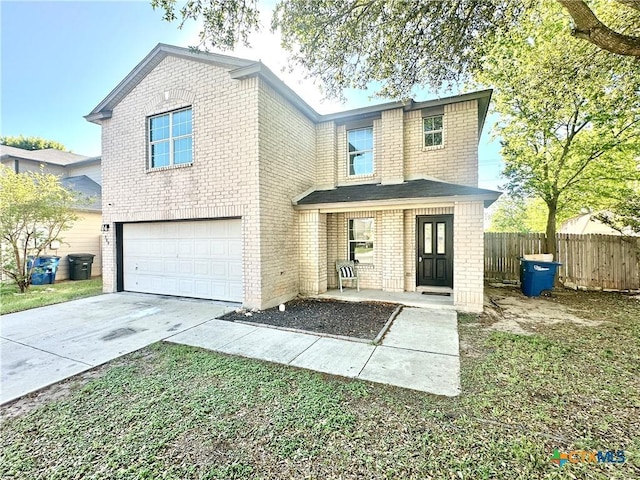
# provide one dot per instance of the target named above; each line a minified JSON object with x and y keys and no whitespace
{"x":200,"y":259}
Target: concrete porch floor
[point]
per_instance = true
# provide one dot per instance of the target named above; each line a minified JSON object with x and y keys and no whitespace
{"x":410,"y":299}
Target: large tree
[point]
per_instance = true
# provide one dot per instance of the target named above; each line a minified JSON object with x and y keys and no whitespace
{"x":31,"y":143}
{"x":569,"y":116}
{"x":402,"y":43}
{"x":518,"y":215}
{"x":34,"y":211}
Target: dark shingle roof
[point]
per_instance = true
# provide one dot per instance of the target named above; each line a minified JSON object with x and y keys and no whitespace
{"x":87,"y":188}
{"x":46,"y":155}
{"x":410,"y":189}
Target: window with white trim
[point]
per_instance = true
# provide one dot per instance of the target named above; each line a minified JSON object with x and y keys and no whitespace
{"x":360,"y":146}
{"x":433,"y":130}
{"x":170,"y":139}
{"x":361,"y":240}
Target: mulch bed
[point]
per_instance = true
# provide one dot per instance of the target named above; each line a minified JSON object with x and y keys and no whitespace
{"x":350,"y":319}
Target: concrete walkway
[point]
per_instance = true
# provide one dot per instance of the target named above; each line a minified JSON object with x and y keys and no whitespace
{"x":42,"y":346}
{"x":420,"y":350}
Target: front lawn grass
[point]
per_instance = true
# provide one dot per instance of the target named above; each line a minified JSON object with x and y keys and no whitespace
{"x":40,"y":295}
{"x":177,"y":412}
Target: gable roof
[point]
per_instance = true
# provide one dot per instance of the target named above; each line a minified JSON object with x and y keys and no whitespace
{"x":47,"y":155}
{"x":241,"y":68}
{"x":87,"y":188}
{"x":412,"y":190}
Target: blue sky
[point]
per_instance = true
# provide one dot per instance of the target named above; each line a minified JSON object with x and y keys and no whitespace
{"x":60,"y":59}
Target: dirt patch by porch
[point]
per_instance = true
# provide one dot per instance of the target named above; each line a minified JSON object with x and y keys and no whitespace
{"x":349,"y":319}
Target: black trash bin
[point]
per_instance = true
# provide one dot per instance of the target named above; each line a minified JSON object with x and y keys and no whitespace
{"x":537,"y":277}
{"x":44,"y":269}
{"x":80,"y":266}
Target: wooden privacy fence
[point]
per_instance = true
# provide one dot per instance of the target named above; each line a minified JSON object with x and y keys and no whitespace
{"x":607,"y":262}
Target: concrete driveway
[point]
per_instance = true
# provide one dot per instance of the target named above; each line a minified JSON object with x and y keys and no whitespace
{"x":42,"y":346}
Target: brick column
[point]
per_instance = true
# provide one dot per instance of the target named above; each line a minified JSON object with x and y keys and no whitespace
{"x":325,"y":155}
{"x":313,"y":252}
{"x":390,"y":147}
{"x":392,"y":245}
{"x":468,"y":256}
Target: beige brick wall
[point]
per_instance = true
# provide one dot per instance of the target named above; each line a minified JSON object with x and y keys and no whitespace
{"x":468,"y":263}
{"x":457,"y":161}
{"x":389,"y":146}
{"x":254,"y":152}
{"x":398,"y":151}
{"x":287,"y":168}
{"x":223,"y":180}
{"x":326,"y":151}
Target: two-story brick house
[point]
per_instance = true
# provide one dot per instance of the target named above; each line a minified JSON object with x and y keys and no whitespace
{"x":220,"y":182}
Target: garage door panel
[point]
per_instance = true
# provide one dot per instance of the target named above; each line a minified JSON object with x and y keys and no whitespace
{"x":170,"y":266}
{"x":235,"y":270}
{"x":219,"y":269}
{"x":185,"y":267}
{"x":201,"y":259}
{"x":201,"y":248}
{"x":219,"y":247}
{"x":200,"y":268}
{"x":185,"y":247}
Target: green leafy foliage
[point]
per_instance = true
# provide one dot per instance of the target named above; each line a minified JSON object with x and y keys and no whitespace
{"x":34,"y":211}
{"x":224,"y":23}
{"x":31,"y":143}
{"x":624,"y":215}
{"x":570,"y":116}
{"x":518,"y":215}
{"x":400,"y":44}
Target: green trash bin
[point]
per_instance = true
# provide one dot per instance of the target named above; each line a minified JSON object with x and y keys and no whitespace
{"x":80,"y":266}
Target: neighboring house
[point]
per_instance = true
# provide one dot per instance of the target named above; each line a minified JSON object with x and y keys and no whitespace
{"x":76,"y":172}
{"x":588,"y":223}
{"x":220,"y":182}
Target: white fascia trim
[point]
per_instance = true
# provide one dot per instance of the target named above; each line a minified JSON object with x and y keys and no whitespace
{"x":393,"y":204}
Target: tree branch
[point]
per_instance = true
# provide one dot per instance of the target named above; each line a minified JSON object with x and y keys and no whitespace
{"x":588,"y":27}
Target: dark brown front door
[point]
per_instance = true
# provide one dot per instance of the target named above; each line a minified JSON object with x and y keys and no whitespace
{"x":434,"y":256}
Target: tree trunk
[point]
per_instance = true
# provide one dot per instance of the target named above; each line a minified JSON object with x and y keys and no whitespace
{"x":588,"y":27}
{"x":551,"y":245}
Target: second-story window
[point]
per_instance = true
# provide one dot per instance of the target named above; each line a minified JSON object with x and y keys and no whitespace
{"x":433,"y":131}
{"x":360,"y":144}
{"x":170,"y":139}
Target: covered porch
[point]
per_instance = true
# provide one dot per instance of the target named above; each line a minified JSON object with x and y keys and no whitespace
{"x":404,"y":239}
{"x":431,"y":300}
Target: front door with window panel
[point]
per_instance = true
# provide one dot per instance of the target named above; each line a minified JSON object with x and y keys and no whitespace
{"x":434,"y":259}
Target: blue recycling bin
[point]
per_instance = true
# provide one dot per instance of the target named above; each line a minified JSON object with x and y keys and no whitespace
{"x":536,"y":276}
{"x":44,"y":269}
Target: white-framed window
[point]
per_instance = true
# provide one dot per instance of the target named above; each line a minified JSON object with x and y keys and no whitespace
{"x":170,"y":138}
{"x":360,"y":146}
{"x":433,"y":131}
{"x":361,"y":240}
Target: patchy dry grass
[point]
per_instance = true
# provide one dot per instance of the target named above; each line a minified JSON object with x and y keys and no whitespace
{"x":40,"y":295}
{"x":173,"y":411}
